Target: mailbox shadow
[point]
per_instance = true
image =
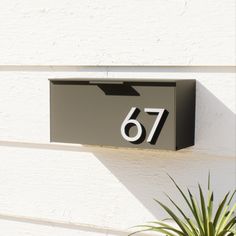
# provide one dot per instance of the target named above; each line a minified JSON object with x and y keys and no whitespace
{"x":143,"y":172}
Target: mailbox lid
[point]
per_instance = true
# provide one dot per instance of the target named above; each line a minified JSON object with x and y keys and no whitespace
{"x":91,"y":112}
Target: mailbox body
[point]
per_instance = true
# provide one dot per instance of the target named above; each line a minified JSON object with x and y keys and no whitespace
{"x":91,"y":112}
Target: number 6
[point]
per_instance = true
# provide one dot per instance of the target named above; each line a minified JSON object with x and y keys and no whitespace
{"x":130,"y":121}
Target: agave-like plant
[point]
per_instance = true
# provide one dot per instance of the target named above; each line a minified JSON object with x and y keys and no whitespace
{"x":203,"y":222}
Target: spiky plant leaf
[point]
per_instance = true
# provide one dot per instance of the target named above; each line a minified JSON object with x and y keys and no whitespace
{"x":178,"y":221}
{"x":220,"y":209}
{"x":196,"y":213}
{"x":190,"y":223}
{"x":202,"y":223}
{"x":203,"y":211}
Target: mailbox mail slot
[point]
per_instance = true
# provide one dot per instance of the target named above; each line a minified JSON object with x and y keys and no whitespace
{"x":128,"y":113}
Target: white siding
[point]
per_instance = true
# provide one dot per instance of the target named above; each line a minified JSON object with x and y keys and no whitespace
{"x":107,"y":189}
{"x":117,"y":32}
{"x":70,"y":190}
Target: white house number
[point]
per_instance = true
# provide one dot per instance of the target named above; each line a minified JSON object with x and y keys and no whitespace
{"x":130,"y":120}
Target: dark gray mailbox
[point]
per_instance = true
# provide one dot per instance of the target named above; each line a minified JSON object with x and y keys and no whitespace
{"x":129,"y":113}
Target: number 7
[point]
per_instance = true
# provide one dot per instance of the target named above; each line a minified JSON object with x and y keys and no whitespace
{"x":160,"y":113}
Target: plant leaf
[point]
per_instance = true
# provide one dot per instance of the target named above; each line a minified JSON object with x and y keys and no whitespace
{"x":139,"y":231}
{"x":230,"y":199}
{"x":231,"y":223}
{"x":185,"y":217}
{"x":211,"y":229}
{"x":203,"y":208}
{"x":210,"y":206}
{"x":163,"y":226}
{"x":191,"y":204}
{"x":164,"y":231}
{"x":219,"y":210}
{"x":175,"y":218}
{"x":225,"y":219}
{"x":196,"y":212}
{"x":182,"y":193}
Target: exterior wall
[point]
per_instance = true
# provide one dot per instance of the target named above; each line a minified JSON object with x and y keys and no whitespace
{"x":61,"y":189}
{"x":92,"y":190}
{"x":117,"y":32}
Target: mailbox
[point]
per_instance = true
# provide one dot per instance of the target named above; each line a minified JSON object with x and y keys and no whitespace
{"x":156,"y":114}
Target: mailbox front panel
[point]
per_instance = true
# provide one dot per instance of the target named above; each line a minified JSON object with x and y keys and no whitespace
{"x":128,"y":114}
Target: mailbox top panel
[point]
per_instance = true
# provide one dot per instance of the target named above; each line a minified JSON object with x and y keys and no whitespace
{"x":167,"y":82}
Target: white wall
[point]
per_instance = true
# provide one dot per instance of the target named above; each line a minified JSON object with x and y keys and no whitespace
{"x":117,"y":32}
{"x":72,"y":186}
{"x":60,"y":189}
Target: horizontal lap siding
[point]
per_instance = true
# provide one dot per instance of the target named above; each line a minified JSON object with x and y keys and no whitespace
{"x":19,"y":228}
{"x":107,"y":189}
{"x":118,"y":32}
{"x":103,"y":187}
{"x":53,"y":189}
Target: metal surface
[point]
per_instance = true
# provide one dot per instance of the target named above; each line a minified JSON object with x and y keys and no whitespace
{"x":140,"y":114}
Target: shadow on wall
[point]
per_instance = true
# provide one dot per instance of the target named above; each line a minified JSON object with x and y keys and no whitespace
{"x":215,"y":129}
{"x":144,"y":173}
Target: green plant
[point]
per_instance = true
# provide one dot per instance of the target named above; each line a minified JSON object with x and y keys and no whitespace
{"x":203,"y":222}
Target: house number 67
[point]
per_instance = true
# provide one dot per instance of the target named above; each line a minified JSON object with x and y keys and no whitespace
{"x":130,"y":120}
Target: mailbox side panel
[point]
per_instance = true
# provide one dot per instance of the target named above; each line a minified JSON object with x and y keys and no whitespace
{"x":185,"y":113}
{"x":93,"y":114}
